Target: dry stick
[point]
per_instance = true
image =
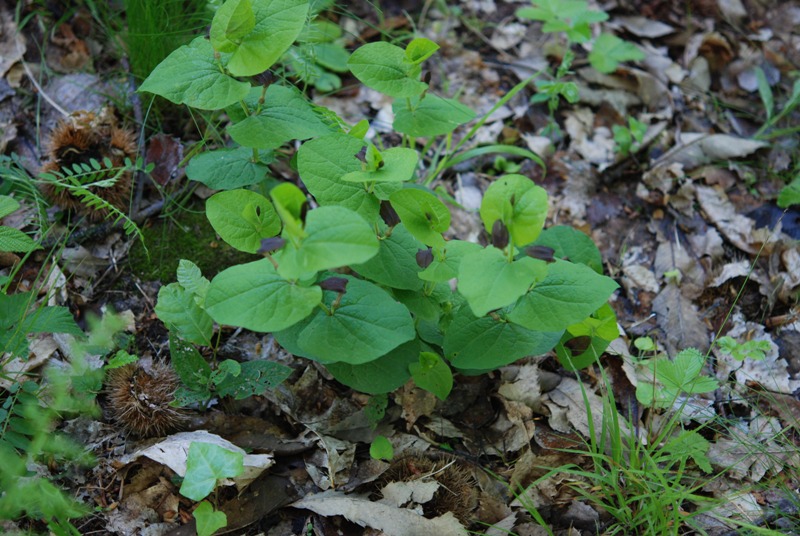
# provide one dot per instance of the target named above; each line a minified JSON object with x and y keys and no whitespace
{"x":41,"y":91}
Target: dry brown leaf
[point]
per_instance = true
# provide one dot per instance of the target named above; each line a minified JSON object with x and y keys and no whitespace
{"x":677,"y":316}
{"x":391,"y":520}
{"x":736,"y":228}
{"x":12,"y":43}
{"x":696,"y":149}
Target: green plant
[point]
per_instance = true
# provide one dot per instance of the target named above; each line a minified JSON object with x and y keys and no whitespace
{"x":13,"y":239}
{"x":360,"y":283}
{"x":629,"y":139}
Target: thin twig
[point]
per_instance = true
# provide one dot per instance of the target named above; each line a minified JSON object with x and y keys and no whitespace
{"x":44,"y":95}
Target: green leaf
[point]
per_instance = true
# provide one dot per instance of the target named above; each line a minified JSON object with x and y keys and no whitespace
{"x":790,"y":194}
{"x":255,"y":297}
{"x":191,"y":278}
{"x":383,"y":67}
{"x":598,"y":330}
{"x":277,"y":25}
{"x":8,"y":205}
{"x":432,"y":374}
{"x":49,"y":319}
{"x":519,"y":203}
{"x":228,"y":169}
{"x":423,"y":214}
{"x":689,"y":444}
{"x":232,"y":21}
{"x":208,"y":520}
{"x":431,"y":116}
{"x":420,"y":49}
{"x":568,"y":294}
{"x":381,"y":449}
{"x":683,"y":373}
{"x":609,"y":50}
{"x":571,"y":244}
{"x":290,"y":202}
{"x":366,"y":325}
{"x":399,"y":164}
{"x":488,"y":281}
{"x":323,"y":162}
{"x":255,"y":378}
{"x":485,"y":343}
{"x":447,"y":260}
{"x":206,"y":464}
{"x":395,"y":265}
{"x":242,"y":218}
{"x":189,"y":365}
{"x":382,"y":375}
{"x":285,"y":115}
{"x":179,"y":310}
{"x":191,"y":76}
{"x":335,"y":237}
{"x":15,"y":240}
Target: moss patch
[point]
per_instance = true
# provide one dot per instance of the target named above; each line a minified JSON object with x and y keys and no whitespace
{"x":187,"y":236}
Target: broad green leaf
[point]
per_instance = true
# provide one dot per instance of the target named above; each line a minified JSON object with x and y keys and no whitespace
{"x":790,"y":194}
{"x":395,"y":265}
{"x":422,"y":305}
{"x":691,"y":444}
{"x":189,"y":365}
{"x":15,"y":240}
{"x":382,"y":375}
{"x":228,"y":169}
{"x":366,"y":325}
{"x":683,"y":372}
{"x":383,"y":67}
{"x":571,"y":244}
{"x":177,"y":308}
{"x":423,"y":214}
{"x":431,"y":116}
{"x":7,"y":205}
{"x":208,"y":520}
{"x":608,"y":51}
{"x":255,"y":297}
{"x":277,"y":25}
{"x":584,"y":342}
{"x":519,"y":203}
{"x":446,"y":261}
{"x":191,"y":278}
{"x":482,"y":344}
{"x":488,"y":281}
{"x":232,"y":21}
{"x":255,"y":378}
{"x":432,"y":374}
{"x":285,"y":115}
{"x":191,"y":76}
{"x":399,"y":164}
{"x":323,"y":161}
{"x":205,"y":464}
{"x":420,"y":49}
{"x":381,"y":449}
{"x":50,"y":319}
{"x":568,"y":294}
{"x":335,"y":237}
{"x":242,"y":218}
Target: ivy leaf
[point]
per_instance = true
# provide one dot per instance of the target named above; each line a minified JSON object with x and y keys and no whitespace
{"x":573,"y":245}
{"x":608,"y":51}
{"x":255,"y":297}
{"x":206,"y":464}
{"x":208,"y":520}
{"x":395,"y":264}
{"x":242,"y":218}
{"x":383,"y":67}
{"x":519,"y":203}
{"x":568,"y":294}
{"x":191,"y":76}
{"x":488,"y":281}
{"x":382,"y":375}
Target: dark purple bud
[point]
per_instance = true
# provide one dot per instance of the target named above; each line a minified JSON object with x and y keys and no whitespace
{"x":513,"y":199}
{"x":499,"y":234}
{"x":389,"y":214}
{"x":271,"y":244}
{"x":426,"y":77}
{"x":303,"y":211}
{"x":578,"y":345}
{"x":264,"y":79}
{"x":541,"y":252}
{"x":424,"y":257}
{"x":336,"y":284}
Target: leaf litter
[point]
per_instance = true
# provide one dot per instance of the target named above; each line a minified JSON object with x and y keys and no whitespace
{"x":674,"y":220}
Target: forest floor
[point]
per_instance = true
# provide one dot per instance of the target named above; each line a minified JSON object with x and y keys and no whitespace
{"x":686,"y":219}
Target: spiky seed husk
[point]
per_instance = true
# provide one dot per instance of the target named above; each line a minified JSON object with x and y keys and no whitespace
{"x":139,"y":397}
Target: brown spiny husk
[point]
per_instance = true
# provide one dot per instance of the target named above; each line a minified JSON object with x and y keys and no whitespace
{"x":139,"y":397}
{"x":76,"y":140}
{"x":458,"y":489}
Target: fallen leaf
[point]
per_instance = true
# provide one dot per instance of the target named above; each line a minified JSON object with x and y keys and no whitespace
{"x":696,"y":149}
{"x":677,"y":316}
